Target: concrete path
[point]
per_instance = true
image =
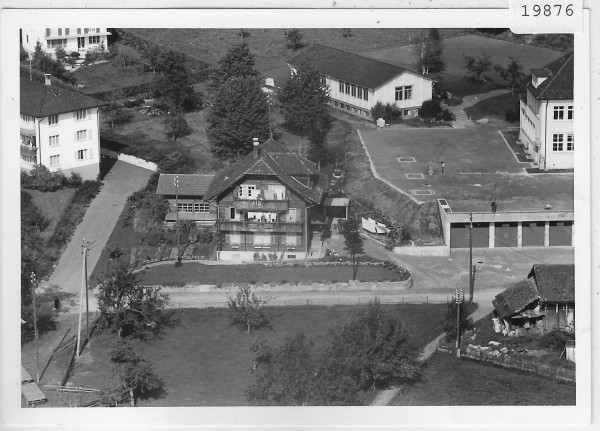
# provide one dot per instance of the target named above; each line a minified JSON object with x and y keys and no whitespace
{"x":98,"y":223}
{"x":462,"y":120}
{"x":65,"y":282}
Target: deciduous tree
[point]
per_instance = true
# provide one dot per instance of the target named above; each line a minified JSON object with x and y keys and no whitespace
{"x":478,"y":66}
{"x":512,"y":73}
{"x":354,"y":243}
{"x":247,"y":310}
{"x":175,"y":126}
{"x":430,"y":51}
{"x":115,"y":114}
{"x":128,"y":308}
{"x":294,"y":39}
{"x":174,"y":84}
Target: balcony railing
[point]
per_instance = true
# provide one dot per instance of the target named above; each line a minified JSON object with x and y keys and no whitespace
{"x":261,"y":205}
{"x":255,"y":226}
{"x":28,"y":151}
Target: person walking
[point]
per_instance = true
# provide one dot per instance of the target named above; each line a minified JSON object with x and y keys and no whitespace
{"x":56,"y":304}
{"x":443,"y":167}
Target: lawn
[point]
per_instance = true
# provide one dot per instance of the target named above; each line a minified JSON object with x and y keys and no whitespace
{"x":480,"y":168}
{"x":106,"y":77}
{"x":494,"y":107}
{"x":472,"y":45}
{"x":452,"y":381}
{"x":207,"y":362}
{"x":268,"y":45}
{"x":52,"y":205}
{"x":198,"y":273}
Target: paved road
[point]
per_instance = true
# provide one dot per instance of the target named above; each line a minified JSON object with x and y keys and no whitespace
{"x":100,"y":218}
{"x":65,"y":282}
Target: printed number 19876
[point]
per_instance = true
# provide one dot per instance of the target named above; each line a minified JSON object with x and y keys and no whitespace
{"x":547,"y":10}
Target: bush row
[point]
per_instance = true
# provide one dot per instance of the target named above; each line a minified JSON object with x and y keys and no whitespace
{"x":73,"y":213}
{"x":40,"y":178}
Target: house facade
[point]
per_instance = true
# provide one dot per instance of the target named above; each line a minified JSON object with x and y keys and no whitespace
{"x":81,"y":40}
{"x":262,"y":206}
{"x":185,"y":194}
{"x":357,"y":83}
{"x":59,"y":129}
{"x":546,"y":120}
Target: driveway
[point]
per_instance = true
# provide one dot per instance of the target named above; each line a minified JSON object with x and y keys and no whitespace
{"x":100,"y":218}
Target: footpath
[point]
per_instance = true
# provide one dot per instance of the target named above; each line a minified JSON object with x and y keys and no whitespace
{"x":65,"y":281}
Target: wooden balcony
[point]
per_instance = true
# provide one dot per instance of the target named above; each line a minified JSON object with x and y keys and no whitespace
{"x":28,"y":151}
{"x":261,"y":205}
{"x":255,"y":226}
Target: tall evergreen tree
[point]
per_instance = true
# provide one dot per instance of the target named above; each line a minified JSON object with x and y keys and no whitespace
{"x":430,"y":51}
{"x":238,"y":62}
{"x":303,"y":102}
{"x":239,"y":113}
{"x":174,"y":83}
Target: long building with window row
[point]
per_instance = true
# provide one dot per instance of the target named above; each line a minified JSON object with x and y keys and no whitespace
{"x":357,"y":83}
{"x":81,"y":40}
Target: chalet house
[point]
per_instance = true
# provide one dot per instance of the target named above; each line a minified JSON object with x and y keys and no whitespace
{"x":546,"y":121}
{"x":262,"y":205}
{"x":185,"y":194}
{"x":81,"y":40}
{"x":544,"y":301}
{"x":59,"y":129}
{"x":357,"y":83}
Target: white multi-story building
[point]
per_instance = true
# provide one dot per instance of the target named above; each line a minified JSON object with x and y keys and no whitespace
{"x":357,"y":83}
{"x":81,"y":40}
{"x":546,"y":126}
{"x":59,"y":129}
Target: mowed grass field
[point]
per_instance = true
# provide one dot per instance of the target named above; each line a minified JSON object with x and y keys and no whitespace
{"x":449,"y":381}
{"x":268,"y":45}
{"x":472,"y":45}
{"x":198,"y":273}
{"x":204,"y":361}
{"x":106,"y":77}
{"x":479,"y":168}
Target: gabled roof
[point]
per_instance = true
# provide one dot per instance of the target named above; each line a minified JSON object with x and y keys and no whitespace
{"x":515,"y":298}
{"x":555,"y":283}
{"x":273,"y":159}
{"x":189,"y":184}
{"x":559,"y":82}
{"x":39,"y":100}
{"x":346,"y":66}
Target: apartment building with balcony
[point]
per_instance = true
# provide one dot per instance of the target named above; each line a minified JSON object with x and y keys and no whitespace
{"x":59,"y":129}
{"x":81,"y":40}
{"x":357,"y":83}
{"x":262,"y":204}
{"x":546,"y":120}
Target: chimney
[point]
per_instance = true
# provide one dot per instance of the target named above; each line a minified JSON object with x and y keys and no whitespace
{"x":47,"y":79}
{"x":255,"y":144}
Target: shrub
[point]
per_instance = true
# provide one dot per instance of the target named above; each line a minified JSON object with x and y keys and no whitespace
{"x":432,"y":110}
{"x":390,"y":113}
{"x":40,"y":178}
{"x":511,"y":115}
{"x":75,"y":180}
{"x":554,"y":340}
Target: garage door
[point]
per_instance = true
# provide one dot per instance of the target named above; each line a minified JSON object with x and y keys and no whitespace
{"x":506,"y":235}
{"x":533,"y":234}
{"x":459,"y":235}
{"x":560,"y":233}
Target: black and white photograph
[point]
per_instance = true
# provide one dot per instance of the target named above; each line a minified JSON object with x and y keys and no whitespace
{"x":272,"y":210}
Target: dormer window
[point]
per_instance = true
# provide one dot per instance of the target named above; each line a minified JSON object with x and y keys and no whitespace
{"x":539,"y":75}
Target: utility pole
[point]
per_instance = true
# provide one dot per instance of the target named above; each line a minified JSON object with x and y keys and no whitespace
{"x":270,"y":125}
{"x":176,"y":183}
{"x":459,"y":298}
{"x":471,"y":258}
{"x":35,"y":331}
{"x":85,"y":286}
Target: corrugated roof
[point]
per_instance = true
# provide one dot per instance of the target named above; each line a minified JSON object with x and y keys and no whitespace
{"x":555,"y":283}
{"x":273,"y":159}
{"x":39,"y":100}
{"x":346,"y":66}
{"x":559,"y":85}
{"x":189,"y":184}
{"x":515,"y":298}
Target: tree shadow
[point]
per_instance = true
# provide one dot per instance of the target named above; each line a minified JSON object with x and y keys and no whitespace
{"x":168,"y":320}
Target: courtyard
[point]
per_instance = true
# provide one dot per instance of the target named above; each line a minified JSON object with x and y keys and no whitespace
{"x":480,"y":168}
